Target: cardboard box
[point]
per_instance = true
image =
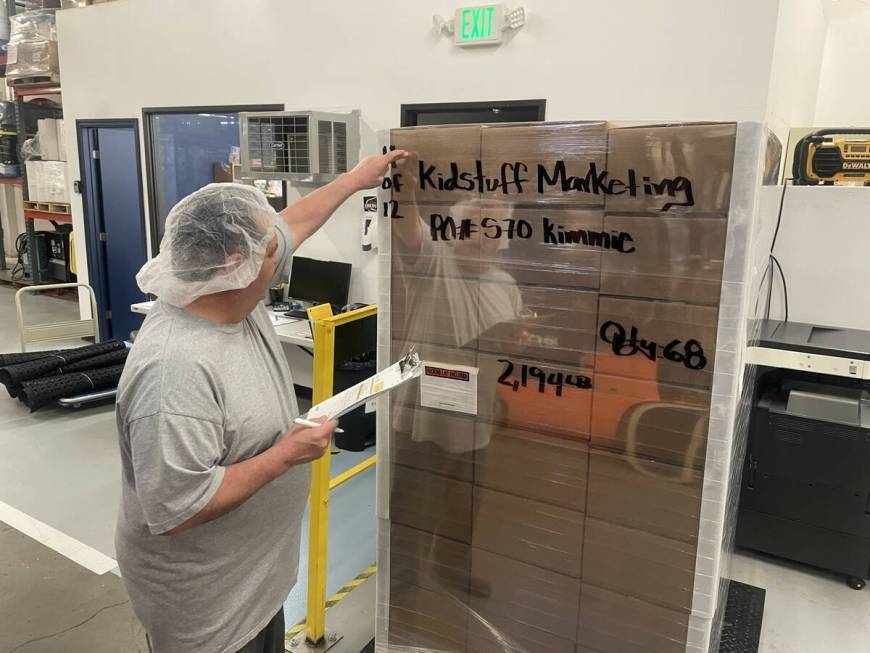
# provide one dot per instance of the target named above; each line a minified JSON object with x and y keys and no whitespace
{"x":451,"y":434}
{"x":430,"y":454}
{"x":613,"y":622}
{"x":554,"y":153}
{"x":61,"y":140}
{"x":689,"y":163}
{"x":32,"y":58}
{"x":435,"y":310}
{"x":550,"y":324}
{"x":523,"y":596}
{"x":47,"y":133}
{"x":563,"y":248}
{"x":555,"y":254}
{"x":674,"y":258}
{"x":498,"y":635}
{"x":426,"y":619}
{"x":681,"y":338}
{"x":644,"y":417}
{"x":429,"y":239}
{"x":409,"y":393}
{"x":431,"y":503}
{"x":434,"y":150}
{"x":645,"y":495}
{"x":640,"y":564}
{"x":538,"y":405}
{"x":47,"y":181}
{"x":537,"y":533}
{"x":429,"y":562}
{"x":535,"y":466}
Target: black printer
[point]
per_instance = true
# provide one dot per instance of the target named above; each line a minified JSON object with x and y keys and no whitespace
{"x":805,"y":492}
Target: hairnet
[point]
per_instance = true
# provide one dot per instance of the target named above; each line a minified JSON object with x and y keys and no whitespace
{"x":215,"y":240}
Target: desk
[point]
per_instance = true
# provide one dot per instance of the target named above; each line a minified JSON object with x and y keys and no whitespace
{"x":290,"y":331}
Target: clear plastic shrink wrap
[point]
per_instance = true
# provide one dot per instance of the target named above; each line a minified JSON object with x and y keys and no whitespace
{"x":596,"y":280}
{"x":32,"y":49}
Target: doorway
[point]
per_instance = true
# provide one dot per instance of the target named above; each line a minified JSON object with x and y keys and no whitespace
{"x":461,"y":113}
{"x":111,"y":187}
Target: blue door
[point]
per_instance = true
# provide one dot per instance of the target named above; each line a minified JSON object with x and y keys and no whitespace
{"x":112,"y":193}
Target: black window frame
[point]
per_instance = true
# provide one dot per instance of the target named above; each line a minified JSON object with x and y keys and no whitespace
{"x":150,"y":177}
{"x":410,"y":112}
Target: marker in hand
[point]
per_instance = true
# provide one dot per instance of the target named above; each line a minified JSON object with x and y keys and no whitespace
{"x":307,"y":422}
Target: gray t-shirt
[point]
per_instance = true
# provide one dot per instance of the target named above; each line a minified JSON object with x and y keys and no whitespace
{"x":195,"y":397}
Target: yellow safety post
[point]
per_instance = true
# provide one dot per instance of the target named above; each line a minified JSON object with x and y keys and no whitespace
{"x":325,"y":325}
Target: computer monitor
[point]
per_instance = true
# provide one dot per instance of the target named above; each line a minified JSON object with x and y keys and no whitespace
{"x":318,"y":281}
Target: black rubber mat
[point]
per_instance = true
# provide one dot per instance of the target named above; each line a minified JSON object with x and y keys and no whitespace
{"x":744,"y":611}
{"x":12,"y":376}
{"x":40,"y":392}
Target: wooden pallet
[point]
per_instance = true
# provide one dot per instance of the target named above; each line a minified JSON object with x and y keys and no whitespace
{"x":38,"y":80}
{"x":58,"y":208}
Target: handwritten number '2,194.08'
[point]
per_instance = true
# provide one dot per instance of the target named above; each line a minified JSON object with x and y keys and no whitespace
{"x":541,"y":379}
{"x":692,"y":354}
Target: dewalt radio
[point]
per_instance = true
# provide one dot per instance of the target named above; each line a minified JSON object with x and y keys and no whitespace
{"x":832,"y":156}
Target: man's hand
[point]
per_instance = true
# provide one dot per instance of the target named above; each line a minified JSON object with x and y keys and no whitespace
{"x":308,"y":214}
{"x":303,"y":444}
{"x":370,"y":172}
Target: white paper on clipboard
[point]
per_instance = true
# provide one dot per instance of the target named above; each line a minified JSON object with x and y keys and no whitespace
{"x":409,"y":367}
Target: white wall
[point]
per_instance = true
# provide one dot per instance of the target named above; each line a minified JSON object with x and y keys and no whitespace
{"x":844,"y":94}
{"x":623,"y":59}
{"x":796,"y":67}
{"x":822,"y":246}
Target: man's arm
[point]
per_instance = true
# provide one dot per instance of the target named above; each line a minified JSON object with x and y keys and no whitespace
{"x":241,"y":481}
{"x":409,"y":230}
{"x":308,"y":214}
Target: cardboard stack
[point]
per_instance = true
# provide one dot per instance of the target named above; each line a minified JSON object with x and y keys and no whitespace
{"x":47,"y":179}
{"x":52,"y":144}
{"x":578,"y":269}
{"x":32,"y":49}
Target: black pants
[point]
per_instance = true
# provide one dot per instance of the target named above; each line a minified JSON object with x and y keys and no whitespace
{"x":268,"y":640}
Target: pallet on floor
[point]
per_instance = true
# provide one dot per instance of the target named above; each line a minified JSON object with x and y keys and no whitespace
{"x":58,"y":208}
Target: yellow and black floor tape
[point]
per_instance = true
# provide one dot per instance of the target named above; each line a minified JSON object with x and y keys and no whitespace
{"x":335,"y":598}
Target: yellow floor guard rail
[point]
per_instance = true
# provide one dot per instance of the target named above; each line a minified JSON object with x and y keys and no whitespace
{"x":325,"y":324}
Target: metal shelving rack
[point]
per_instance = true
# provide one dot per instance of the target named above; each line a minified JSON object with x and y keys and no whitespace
{"x":28,"y":115}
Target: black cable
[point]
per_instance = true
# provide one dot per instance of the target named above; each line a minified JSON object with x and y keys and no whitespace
{"x":779,"y":217}
{"x":772,"y":258}
{"x":784,"y":286}
{"x":761,"y":287}
{"x":18,"y":271}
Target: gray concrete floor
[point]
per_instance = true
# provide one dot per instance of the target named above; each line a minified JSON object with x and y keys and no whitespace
{"x":50,"y":604}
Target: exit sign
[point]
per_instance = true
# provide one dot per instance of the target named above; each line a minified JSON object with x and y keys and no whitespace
{"x":478,"y":25}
